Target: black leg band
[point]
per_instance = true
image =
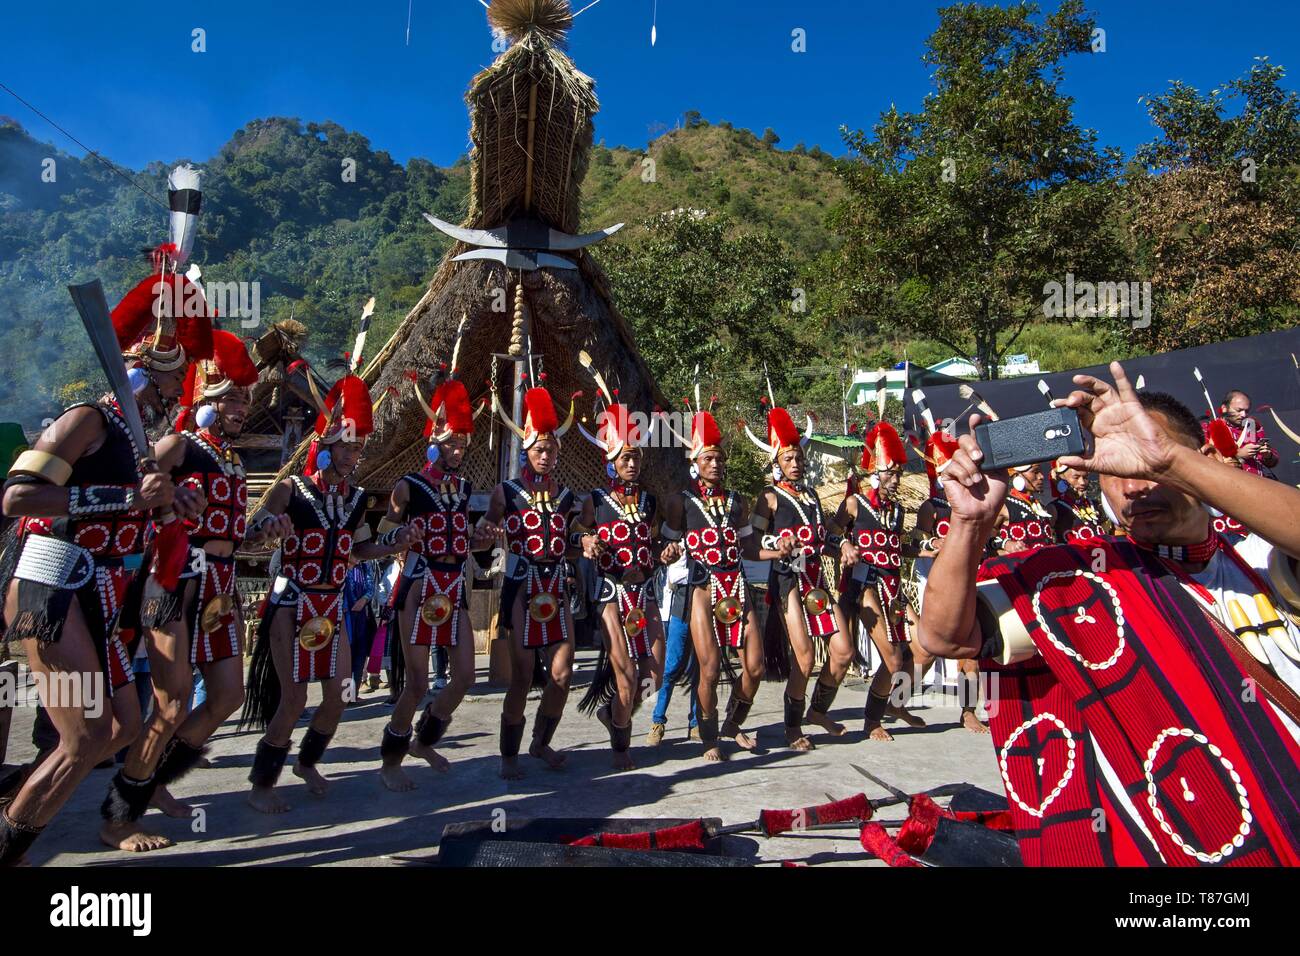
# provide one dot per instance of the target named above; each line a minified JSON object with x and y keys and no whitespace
{"x":793,"y":712}
{"x":876,"y":707}
{"x":15,"y":839}
{"x":430,"y":728}
{"x":544,"y":730}
{"x":511,"y":737}
{"x":968,"y":689}
{"x":268,"y":761}
{"x":708,"y":728}
{"x":127,"y":799}
{"x":737,"y":711}
{"x":313,"y":747}
{"x":178,"y":759}
{"x":394,"y":745}
{"x":823,"y":696}
{"x":620,"y":738}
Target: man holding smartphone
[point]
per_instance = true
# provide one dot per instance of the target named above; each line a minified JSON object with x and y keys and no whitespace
{"x":1147,"y":710}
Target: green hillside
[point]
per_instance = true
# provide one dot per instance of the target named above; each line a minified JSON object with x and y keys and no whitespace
{"x":720,"y":169}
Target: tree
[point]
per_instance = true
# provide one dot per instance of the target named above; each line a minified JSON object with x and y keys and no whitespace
{"x":1215,"y":211}
{"x":960,"y":214}
{"x":692,"y":119}
{"x":770,"y":138}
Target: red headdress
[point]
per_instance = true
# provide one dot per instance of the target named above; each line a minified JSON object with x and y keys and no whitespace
{"x":163,"y":322}
{"x":1220,"y":436}
{"x":883,"y":449}
{"x":615,"y":427}
{"x":448,"y":411}
{"x":705,"y":434}
{"x":230,"y":367}
{"x":347,"y":415}
{"x":540,"y":417}
{"x":781,"y":433}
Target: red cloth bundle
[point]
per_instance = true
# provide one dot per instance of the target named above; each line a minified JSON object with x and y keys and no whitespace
{"x":782,"y":821}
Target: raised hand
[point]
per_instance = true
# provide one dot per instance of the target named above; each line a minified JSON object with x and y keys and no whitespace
{"x":1127,"y":441}
{"x":973,"y":494}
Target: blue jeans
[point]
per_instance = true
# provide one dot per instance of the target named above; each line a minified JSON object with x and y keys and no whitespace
{"x":677,"y":658}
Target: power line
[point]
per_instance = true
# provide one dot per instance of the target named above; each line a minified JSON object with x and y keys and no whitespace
{"x":90,"y":152}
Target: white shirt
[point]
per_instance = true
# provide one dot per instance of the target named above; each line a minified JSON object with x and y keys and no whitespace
{"x":1227,"y":582}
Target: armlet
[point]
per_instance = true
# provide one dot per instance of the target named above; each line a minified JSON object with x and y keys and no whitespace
{"x":387,"y":525}
{"x":361,"y":534}
{"x":41,"y":464}
{"x":760,"y":522}
{"x":1017,"y":645}
{"x":668,"y":534}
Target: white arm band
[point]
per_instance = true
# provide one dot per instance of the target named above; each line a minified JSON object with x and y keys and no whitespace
{"x":1017,"y":645}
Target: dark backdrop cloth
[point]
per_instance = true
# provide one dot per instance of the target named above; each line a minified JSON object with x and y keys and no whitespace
{"x":1263,"y":366}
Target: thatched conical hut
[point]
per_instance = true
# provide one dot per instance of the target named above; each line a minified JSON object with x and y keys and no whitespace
{"x":531,"y":131}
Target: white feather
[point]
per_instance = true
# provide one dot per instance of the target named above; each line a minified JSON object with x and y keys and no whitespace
{"x":183,"y":177}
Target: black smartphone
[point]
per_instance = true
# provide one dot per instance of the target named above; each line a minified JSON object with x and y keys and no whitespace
{"x":1029,"y":439}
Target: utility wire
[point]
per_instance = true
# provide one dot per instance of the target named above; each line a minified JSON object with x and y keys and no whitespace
{"x":90,"y":152}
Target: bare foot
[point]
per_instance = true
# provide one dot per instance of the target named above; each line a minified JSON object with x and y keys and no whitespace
{"x":204,"y":763}
{"x":510,"y":769}
{"x":132,"y":838}
{"x":832,"y":727}
{"x":622,"y":761}
{"x":266,"y":800}
{"x":395,"y":779}
{"x":973,"y":723}
{"x":311,"y":776}
{"x":554,"y":760}
{"x":164,"y":801}
{"x":436,"y":760}
{"x":905,"y":715}
{"x":876,"y":732}
{"x":714,"y":754}
{"x":744,"y":741}
{"x":795,"y":740}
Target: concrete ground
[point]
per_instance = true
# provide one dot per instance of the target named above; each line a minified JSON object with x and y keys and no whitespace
{"x":360,"y":823}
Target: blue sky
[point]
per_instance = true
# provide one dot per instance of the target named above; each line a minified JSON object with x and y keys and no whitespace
{"x":121,"y":75}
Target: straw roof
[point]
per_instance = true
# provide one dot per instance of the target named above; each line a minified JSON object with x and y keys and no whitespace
{"x":533,"y":94}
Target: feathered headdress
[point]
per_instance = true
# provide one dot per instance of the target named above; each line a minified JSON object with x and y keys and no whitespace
{"x":449,"y":410}
{"x":615,"y":428}
{"x":229,"y":367}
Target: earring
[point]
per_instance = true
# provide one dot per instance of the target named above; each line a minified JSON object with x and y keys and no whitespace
{"x":609,"y":470}
{"x":695,"y":472}
{"x":324,"y":459}
{"x":1018,"y":483}
{"x":433,"y":454}
{"x":205,"y":416}
{"x":875,"y":481}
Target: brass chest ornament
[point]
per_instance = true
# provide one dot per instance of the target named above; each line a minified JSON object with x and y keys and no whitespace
{"x":728,"y":610}
{"x":215,"y":613}
{"x":634,"y":623}
{"x":817,"y":601}
{"x":543,"y":607}
{"x":436,"y":610}
{"x":315,"y":633}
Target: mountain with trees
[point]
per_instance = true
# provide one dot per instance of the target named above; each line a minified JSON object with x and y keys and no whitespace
{"x":935,"y":236}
